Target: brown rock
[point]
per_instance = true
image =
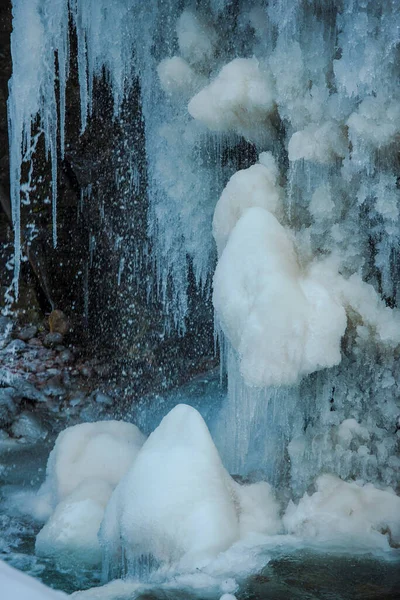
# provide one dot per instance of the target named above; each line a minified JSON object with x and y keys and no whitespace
{"x":58,"y":322}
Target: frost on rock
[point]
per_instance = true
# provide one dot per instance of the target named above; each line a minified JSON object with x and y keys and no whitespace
{"x":240,"y":99}
{"x":178,"y":504}
{"x":346,"y":513}
{"x":85,"y":465}
{"x":282,"y":323}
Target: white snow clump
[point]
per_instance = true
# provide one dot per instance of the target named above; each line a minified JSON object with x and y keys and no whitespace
{"x":283,"y":323}
{"x":85,"y":465}
{"x":256,"y":186}
{"x":240,"y":99}
{"x":351,"y":513}
{"x":318,"y":143}
{"x":178,"y":504}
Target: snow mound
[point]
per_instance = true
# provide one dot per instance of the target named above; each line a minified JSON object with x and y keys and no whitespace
{"x":86,"y":463}
{"x":15,"y":585}
{"x":340,"y":511}
{"x":102,"y":450}
{"x":178,"y":504}
{"x":321,"y":144}
{"x":256,"y":186}
{"x":240,"y":99}
{"x":70,"y":535}
{"x":177,"y":78}
{"x":282,"y":323}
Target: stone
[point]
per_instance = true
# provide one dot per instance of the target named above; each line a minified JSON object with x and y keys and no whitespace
{"x":66,"y":356}
{"x":102,"y":398}
{"x":58,"y":322}
{"x":8,"y":408}
{"x":27,"y":333}
{"x":35,"y":342}
{"x":28,"y":428}
{"x":6,"y":327}
{"x":15,"y":347}
{"x":52,"y":339}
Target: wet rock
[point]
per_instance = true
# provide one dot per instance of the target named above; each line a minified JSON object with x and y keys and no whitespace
{"x":16,"y":346}
{"x":102,"y":398}
{"x":52,"y":340}
{"x":6,"y":327}
{"x":54,"y":386}
{"x":28,"y":428}
{"x":86,"y":371}
{"x":66,"y":356}
{"x":58,"y":322}
{"x":27,"y":333}
{"x":77,"y":398}
{"x":103,"y":371}
{"x":35,"y":342}
{"x":27,"y":390}
{"x":8,"y":408}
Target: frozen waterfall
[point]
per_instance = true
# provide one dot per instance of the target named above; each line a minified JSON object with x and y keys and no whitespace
{"x":272,"y":134}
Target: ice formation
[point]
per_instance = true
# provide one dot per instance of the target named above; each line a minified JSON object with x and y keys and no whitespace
{"x":314,"y":87}
{"x":348,"y":513}
{"x":85,"y":465}
{"x":256,"y":186}
{"x":239,"y":99}
{"x":282,"y":323}
{"x":178,"y":503}
{"x":321,"y":144}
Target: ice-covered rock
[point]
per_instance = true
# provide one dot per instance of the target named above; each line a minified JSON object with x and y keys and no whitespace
{"x":283,"y":323}
{"x":240,"y":99}
{"x":256,"y":186}
{"x":348,"y":513}
{"x":177,"y":499}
